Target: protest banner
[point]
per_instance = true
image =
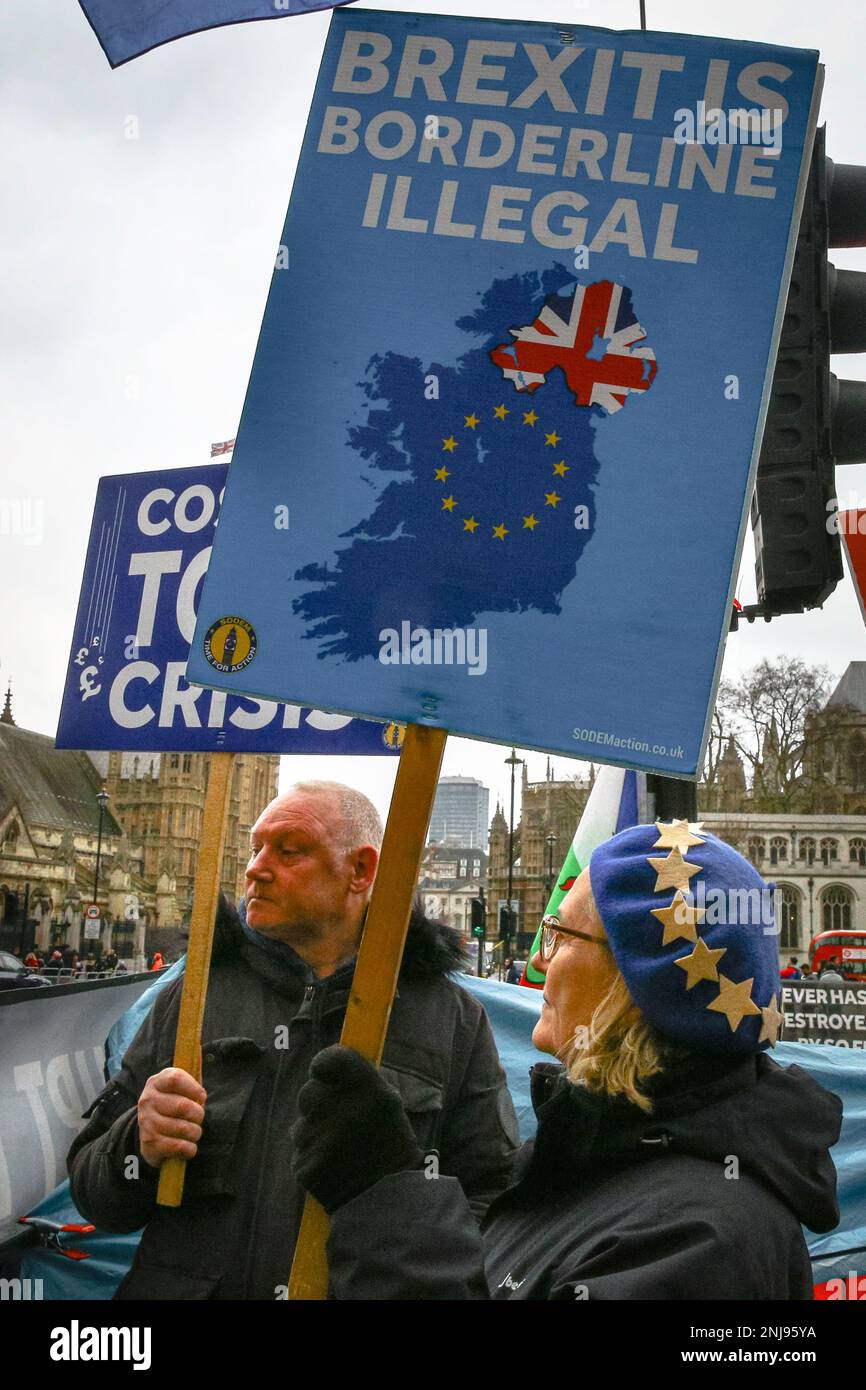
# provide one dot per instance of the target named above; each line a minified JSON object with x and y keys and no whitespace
{"x":816,"y":1013}
{"x":52,"y":1055}
{"x":126,"y":688}
{"x":530,"y":445}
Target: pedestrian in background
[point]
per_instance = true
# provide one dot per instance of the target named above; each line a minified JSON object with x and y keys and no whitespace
{"x":831,"y":974}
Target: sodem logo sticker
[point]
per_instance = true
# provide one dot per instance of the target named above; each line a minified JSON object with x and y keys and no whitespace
{"x":230,"y":644}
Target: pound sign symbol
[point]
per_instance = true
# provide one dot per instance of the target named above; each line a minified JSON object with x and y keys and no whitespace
{"x":82,"y":653}
{"x":86,"y":684}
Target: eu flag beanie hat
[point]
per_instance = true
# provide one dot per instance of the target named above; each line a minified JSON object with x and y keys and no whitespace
{"x":692,"y":928}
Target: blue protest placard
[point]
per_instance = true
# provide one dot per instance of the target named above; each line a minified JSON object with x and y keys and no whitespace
{"x":126,"y":687}
{"x":500,"y":434}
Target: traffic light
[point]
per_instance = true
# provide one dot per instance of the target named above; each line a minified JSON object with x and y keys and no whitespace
{"x":476,"y":917}
{"x":814,"y":420}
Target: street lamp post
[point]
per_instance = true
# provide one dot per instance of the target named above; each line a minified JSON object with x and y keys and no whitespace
{"x":101,"y":797}
{"x":511,"y":762}
{"x":551,"y":841}
{"x":25,"y":912}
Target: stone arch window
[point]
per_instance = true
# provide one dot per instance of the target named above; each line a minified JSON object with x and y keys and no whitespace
{"x":174,"y":760}
{"x":756,"y":849}
{"x":187,"y":762}
{"x":778,"y":849}
{"x":808,"y":849}
{"x":857,"y":754}
{"x":857,"y":850}
{"x":10,"y":838}
{"x":788,"y":903}
{"x":829,"y":851}
{"x":836,"y":904}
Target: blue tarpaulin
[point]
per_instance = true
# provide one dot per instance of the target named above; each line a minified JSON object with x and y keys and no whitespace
{"x":512,"y":1012}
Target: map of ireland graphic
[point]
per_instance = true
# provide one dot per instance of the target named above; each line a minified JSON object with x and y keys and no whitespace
{"x":488,"y":501}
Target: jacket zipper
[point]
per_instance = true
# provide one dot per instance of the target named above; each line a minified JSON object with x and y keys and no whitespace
{"x":309,"y":994}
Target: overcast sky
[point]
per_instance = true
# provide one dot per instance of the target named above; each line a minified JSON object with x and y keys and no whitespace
{"x":135,"y":271}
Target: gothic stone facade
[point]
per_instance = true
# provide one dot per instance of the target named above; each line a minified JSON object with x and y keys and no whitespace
{"x":49,"y":830}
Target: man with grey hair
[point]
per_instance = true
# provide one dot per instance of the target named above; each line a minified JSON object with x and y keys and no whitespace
{"x":280,"y":977}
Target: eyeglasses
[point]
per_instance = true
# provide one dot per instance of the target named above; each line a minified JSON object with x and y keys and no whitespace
{"x":552,"y":933}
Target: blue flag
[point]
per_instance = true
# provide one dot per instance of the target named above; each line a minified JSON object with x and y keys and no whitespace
{"x":128,"y":28}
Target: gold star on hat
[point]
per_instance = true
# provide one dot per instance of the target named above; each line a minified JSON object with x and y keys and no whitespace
{"x":679,"y":920}
{"x":772,"y":1021}
{"x":734,"y":1000}
{"x":701,"y":964}
{"x":677,"y":835}
{"x":673,"y":871}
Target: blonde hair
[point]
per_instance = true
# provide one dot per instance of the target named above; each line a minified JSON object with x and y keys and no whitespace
{"x":619,"y":1050}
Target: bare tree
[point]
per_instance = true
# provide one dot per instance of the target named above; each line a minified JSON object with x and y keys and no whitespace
{"x":770,"y":711}
{"x":715,"y":745}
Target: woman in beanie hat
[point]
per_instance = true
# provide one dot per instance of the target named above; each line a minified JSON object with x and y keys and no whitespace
{"x":673,"y":1158}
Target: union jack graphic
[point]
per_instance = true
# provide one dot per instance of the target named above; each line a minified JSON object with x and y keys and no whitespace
{"x":224,"y":448}
{"x":590,"y":336}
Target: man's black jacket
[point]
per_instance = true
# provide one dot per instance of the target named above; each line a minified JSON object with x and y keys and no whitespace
{"x":265,"y":1020}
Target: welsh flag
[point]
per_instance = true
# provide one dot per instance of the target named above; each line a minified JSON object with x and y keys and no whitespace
{"x":617,"y":800}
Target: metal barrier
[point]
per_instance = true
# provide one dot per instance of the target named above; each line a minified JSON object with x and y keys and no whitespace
{"x":63,"y":975}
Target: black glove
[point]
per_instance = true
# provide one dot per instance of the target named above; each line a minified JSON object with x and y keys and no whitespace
{"x":353,"y":1129}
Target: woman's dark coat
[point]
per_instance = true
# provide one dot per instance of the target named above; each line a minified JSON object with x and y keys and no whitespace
{"x":702,"y":1199}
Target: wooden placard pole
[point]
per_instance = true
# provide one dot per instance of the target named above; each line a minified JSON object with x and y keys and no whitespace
{"x":375,"y":980}
{"x":187,"y":1047}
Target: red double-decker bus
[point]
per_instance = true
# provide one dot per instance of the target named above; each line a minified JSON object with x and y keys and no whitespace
{"x":846,"y":949}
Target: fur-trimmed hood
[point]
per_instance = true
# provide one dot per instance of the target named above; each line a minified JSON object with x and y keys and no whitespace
{"x":432,"y":948}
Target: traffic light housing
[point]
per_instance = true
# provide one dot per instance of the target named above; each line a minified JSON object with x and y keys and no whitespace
{"x":477,"y":917}
{"x":814,"y":420}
